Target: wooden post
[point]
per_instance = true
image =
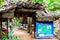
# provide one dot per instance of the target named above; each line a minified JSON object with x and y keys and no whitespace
{"x":7,"y":25}
{"x":1,"y":26}
{"x":34,"y":23}
{"x":28,"y":20}
{"x":0,"y":29}
{"x":30,"y":25}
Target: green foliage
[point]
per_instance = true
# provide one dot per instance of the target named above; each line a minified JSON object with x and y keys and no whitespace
{"x":10,"y":36}
{"x":52,"y":5}
{"x":40,"y":1}
{"x":16,"y":21}
{"x":1,"y":3}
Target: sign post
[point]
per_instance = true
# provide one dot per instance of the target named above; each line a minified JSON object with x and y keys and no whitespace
{"x":44,"y":30}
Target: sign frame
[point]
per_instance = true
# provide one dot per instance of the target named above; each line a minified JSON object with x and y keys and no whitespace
{"x":47,"y":36}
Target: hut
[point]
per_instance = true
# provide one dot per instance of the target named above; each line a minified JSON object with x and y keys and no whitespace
{"x":31,"y":12}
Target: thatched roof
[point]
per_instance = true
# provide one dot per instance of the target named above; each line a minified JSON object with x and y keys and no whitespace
{"x":23,"y":5}
{"x":6,"y":8}
{"x":40,"y":9}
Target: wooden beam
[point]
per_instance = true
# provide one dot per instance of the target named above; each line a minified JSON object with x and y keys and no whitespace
{"x":26,"y":10}
{"x":45,"y":18}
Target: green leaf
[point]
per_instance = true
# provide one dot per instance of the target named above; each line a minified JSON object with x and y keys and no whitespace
{"x":1,"y":3}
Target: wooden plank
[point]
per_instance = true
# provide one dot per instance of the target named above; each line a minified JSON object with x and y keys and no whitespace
{"x":45,"y":18}
{"x":26,"y":10}
{"x":8,"y":15}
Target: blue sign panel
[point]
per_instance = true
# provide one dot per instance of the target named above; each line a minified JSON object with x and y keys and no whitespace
{"x":44,"y":30}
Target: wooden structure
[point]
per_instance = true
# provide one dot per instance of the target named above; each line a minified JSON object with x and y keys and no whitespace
{"x":34,"y":10}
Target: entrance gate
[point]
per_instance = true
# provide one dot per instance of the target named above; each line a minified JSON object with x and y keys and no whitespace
{"x":28,"y":19}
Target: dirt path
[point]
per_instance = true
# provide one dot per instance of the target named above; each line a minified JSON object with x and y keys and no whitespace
{"x":26,"y":36}
{"x":23,"y":35}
